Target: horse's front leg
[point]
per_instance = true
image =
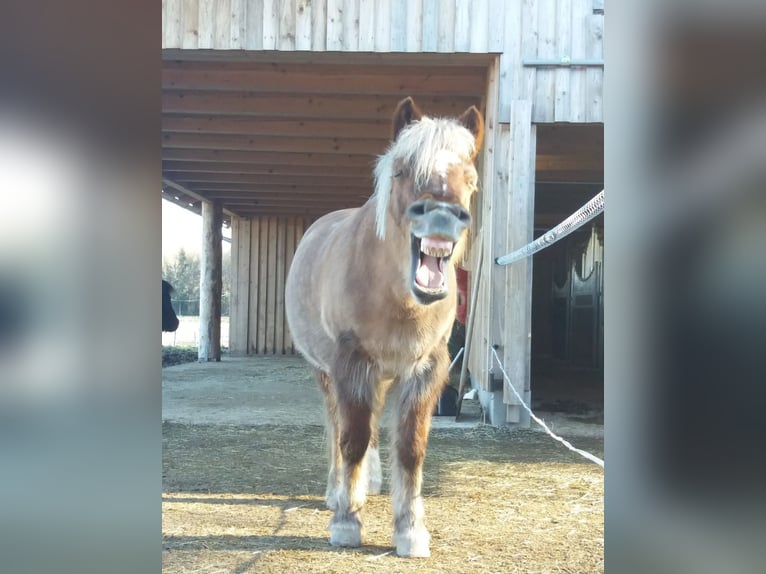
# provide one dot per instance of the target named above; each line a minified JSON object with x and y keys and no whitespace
{"x":417,"y":399}
{"x":355,"y":376}
{"x":346,"y":524}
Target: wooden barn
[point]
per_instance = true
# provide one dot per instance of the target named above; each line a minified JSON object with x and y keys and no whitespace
{"x":273,"y":112}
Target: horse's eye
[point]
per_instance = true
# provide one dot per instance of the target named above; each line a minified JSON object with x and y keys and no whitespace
{"x":399,"y":173}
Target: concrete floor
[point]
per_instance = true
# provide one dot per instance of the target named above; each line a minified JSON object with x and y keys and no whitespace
{"x":259,"y":390}
{"x":246,"y":391}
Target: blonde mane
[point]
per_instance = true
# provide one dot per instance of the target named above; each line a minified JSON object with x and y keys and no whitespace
{"x":421,"y":145}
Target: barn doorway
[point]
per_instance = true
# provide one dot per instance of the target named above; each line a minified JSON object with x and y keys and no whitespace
{"x":568,"y":286}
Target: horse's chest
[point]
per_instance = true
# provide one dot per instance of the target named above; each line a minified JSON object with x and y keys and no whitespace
{"x":398,"y":345}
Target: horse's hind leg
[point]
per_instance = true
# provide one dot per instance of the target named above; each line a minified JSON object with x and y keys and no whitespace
{"x":374,"y":470}
{"x":333,"y":436}
{"x":417,"y":398}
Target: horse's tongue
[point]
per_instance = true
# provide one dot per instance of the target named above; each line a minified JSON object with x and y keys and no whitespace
{"x":428,"y":274}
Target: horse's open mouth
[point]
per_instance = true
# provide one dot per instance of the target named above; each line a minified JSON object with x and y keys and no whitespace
{"x":429,"y":256}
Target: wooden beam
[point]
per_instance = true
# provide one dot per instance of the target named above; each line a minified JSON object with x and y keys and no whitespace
{"x":171,"y":167}
{"x":297,"y":105}
{"x":333,"y":78}
{"x":267,"y":158}
{"x":210,"y":283}
{"x":365,"y":147}
{"x":257,"y":126}
{"x":185,"y":190}
{"x":281,"y":180}
{"x":392,"y":61}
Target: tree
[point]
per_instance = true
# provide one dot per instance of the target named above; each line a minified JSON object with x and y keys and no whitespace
{"x":183,"y":272}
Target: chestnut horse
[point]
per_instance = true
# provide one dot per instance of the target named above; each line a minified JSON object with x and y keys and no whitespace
{"x":371,"y":297}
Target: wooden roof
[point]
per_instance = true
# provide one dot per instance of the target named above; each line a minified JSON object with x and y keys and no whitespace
{"x":292,"y":134}
{"x":297,"y":133}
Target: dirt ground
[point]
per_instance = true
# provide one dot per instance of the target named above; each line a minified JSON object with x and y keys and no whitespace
{"x":244,"y":472}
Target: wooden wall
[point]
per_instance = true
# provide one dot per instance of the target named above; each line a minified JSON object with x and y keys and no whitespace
{"x":518,"y":29}
{"x":262,"y":249}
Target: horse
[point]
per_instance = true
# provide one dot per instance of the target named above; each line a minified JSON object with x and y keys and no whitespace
{"x":370,"y":301}
{"x":169,"y":319}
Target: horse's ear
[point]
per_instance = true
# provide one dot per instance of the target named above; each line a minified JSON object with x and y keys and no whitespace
{"x":474,"y":123}
{"x":406,"y":112}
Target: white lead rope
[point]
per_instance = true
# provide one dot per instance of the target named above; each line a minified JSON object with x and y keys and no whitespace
{"x":539,"y":421}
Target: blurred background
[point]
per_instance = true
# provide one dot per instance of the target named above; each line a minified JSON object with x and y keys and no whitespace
{"x":80,"y":240}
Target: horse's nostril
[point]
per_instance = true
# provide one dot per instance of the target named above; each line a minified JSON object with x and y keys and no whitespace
{"x":417,"y":209}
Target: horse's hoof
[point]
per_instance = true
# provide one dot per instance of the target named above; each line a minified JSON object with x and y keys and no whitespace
{"x":347,"y":533}
{"x":413,"y":543}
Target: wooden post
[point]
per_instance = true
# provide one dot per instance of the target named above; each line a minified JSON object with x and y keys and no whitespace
{"x":517,"y":350}
{"x":210,"y":283}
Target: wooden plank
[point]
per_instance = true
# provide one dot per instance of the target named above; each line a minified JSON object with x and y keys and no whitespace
{"x":254,"y":266}
{"x":303,"y":22}
{"x":286,"y":37}
{"x":414,"y":23}
{"x":289,"y":253}
{"x":205,"y":24}
{"x":334,"y":79}
{"x":518,"y":287}
{"x":398,"y":25}
{"x":271,"y":296}
{"x":499,"y":244}
{"x":525,"y":90}
{"x":172,"y":167}
{"x":430,"y":36}
{"x":320,"y":106}
{"x":383,"y":25}
{"x":334,"y":24}
{"x":190,"y":38}
{"x":563,"y":75}
{"x":578,"y":41}
{"x":172,"y":23}
{"x":496,"y":24}
{"x":463,"y":21}
{"x":240,"y":300}
{"x":238,"y":24}
{"x":367,"y":25}
{"x":479,"y":22}
{"x":350,"y":25}
{"x":254,"y":26}
{"x":446,"y":26}
{"x":263,"y":285}
{"x":546,"y":49}
{"x":211,"y":124}
{"x":510,"y":61}
{"x":270,"y":24}
{"x":216,"y":157}
{"x":319,"y":25}
{"x":266,"y":181}
{"x":595,"y":76}
{"x":222,"y":25}
{"x":279,"y":308}
{"x":391,"y":61}
{"x":273,"y":144}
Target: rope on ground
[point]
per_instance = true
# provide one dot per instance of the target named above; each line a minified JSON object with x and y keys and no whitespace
{"x":570,"y":224}
{"x":539,"y":421}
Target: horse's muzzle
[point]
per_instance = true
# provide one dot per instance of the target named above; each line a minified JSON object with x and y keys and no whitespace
{"x":436,"y":227}
{"x":438,"y":218}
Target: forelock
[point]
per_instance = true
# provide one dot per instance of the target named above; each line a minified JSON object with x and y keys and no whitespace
{"x":426,"y":145}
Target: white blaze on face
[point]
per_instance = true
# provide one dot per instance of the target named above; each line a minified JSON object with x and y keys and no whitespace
{"x":443,"y":160}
